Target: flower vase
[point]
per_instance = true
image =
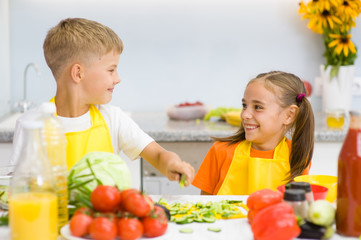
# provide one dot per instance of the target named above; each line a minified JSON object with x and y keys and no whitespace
{"x":337,"y":90}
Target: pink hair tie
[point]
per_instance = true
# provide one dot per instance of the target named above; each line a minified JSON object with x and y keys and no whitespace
{"x":300,"y":97}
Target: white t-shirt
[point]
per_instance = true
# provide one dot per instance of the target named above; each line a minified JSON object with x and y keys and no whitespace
{"x":125,"y":134}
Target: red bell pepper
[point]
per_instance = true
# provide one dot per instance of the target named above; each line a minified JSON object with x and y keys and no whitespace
{"x":250,"y":215}
{"x":263,"y":198}
{"x":276,"y":221}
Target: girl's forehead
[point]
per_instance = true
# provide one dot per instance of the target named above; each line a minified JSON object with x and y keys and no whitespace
{"x":259,"y":86}
{"x":260,"y":91}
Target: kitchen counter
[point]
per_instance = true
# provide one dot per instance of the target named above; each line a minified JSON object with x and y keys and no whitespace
{"x":158,"y":126}
{"x":230,"y":228}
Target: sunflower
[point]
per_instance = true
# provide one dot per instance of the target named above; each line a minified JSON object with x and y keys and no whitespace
{"x":303,"y":10}
{"x":323,"y":20}
{"x":333,"y":19}
{"x":349,"y":9}
{"x":341,"y":42}
{"x":324,"y":4}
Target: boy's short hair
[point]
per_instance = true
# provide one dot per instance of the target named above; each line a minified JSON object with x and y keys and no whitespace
{"x":78,"y":39}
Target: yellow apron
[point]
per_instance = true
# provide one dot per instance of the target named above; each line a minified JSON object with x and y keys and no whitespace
{"x":247,"y":174}
{"x":96,"y":138}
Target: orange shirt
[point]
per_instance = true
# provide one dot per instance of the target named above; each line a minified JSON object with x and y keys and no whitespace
{"x":215,"y":165}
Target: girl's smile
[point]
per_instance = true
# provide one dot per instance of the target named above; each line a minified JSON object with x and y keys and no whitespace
{"x":249,"y":127}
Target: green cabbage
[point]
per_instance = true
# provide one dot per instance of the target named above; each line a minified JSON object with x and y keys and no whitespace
{"x":96,"y":168}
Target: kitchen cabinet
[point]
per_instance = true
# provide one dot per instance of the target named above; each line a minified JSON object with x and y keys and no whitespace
{"x":192,"y":152}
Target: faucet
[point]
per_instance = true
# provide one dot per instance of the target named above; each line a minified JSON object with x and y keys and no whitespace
{"x":25,"y":104}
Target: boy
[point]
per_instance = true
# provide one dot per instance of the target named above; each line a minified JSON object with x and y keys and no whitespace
{"x":83,"y":56}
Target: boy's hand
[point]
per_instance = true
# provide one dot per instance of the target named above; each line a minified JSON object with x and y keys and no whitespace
{"x":168,"y":163}
{"x":180,"y":171}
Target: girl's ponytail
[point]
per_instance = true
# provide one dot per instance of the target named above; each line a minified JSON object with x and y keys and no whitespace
{"x":302,"y":139}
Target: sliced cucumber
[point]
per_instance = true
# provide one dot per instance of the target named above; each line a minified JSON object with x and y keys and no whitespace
{"x":186,"y":230}
{"x":214,"y":229}
{"x":209,"y":219}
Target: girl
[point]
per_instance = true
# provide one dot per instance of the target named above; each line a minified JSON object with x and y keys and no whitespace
{"x":259,"y":155}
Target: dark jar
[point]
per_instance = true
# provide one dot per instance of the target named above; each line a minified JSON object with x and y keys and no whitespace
{"x":306,"y":187}
{"x":348,"y":212}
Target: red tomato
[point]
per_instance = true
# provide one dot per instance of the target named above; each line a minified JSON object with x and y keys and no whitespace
{"x":84,"y":210}
{"x":130,"y":228}
{"x":138,"y":204}
{"x":79,"y":224}
{"x":125,"y":193}
{"x":105,"y":198}
{"x":156,"y":223}
{"x":103,"y":228}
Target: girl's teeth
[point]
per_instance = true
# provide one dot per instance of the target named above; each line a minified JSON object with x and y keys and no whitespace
{"x":251,"y":127}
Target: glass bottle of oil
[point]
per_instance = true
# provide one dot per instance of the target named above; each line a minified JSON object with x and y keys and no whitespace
{"x":55,"y":145}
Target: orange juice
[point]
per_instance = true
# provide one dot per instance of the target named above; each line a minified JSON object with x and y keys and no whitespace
{"x":335,"y":120}
{"x":33,"y":216}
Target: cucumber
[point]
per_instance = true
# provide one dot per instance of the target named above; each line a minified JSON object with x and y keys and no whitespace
{"x":214,"y":229}
{"x":186,"y":230}
{"x":182,"y":181}
{"x":210,"y":219}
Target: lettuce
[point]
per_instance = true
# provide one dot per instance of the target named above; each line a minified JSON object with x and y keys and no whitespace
{"x":96,"y":168}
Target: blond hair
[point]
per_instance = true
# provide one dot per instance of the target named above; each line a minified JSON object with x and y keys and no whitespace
{"x":287,"y":87}
{"x":78,"y":39}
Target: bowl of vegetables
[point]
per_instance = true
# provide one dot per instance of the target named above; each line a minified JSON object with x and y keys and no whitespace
{"x":187,"y":111}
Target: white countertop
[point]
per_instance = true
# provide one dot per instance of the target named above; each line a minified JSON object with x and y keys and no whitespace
{"x":231,"y":228}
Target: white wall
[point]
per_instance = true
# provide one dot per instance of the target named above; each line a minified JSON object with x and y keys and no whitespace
{"x":176,"y":50}
{"x":4,"y":57}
